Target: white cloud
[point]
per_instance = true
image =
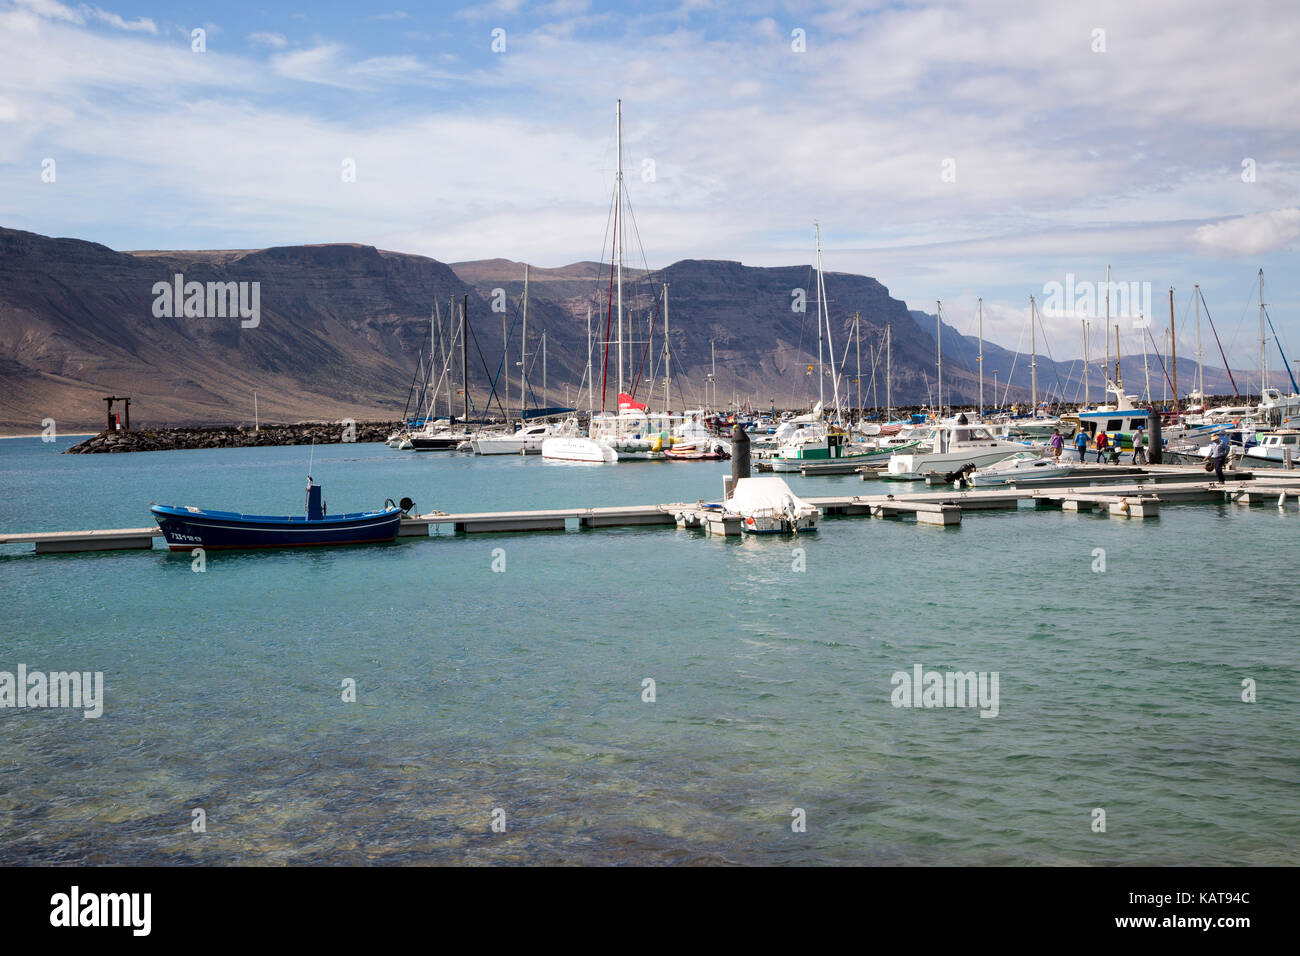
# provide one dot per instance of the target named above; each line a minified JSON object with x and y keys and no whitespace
{"x":1250,"y":235}
{"x":268,"y":39}
{"x":141,"y":25}
{"x":51,"y":10}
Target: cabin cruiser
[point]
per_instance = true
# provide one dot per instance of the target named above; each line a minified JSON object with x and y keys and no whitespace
{"x":526,"y":441}
{"x":1279,"y":449}
{"x":1021,"y":465}
{"x":953,"y":445}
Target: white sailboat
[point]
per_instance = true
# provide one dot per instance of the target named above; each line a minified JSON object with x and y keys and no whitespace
{"x":632,"y":432}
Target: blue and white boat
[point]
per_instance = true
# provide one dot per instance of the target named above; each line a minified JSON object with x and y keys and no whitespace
{"x":188,"y":527}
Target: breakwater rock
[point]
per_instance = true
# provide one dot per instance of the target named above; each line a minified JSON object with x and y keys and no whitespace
{"x":234,"y":436}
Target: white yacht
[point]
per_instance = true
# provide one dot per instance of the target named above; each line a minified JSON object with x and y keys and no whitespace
{"x":526,"y":441}
{"x":1279,"y":449}
{"x":954,"y":445}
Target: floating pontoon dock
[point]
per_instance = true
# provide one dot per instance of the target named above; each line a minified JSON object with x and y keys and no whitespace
{"x":1106,"y":491}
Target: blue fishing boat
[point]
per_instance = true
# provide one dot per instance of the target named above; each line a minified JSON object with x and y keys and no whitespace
{"x":189,"y":527}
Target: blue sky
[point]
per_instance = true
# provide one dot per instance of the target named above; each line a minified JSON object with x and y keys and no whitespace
{"x":950,"y":150}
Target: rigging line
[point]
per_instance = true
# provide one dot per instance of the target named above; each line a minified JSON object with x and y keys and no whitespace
{"x":1056,"y":371}
{"x":493,"y":393}
{"x":1278,"y":343}
{"x":1161,"y":358}
{"x":646,"y":351}
{"x":419,"y":371}
{"x":1236,"y":393}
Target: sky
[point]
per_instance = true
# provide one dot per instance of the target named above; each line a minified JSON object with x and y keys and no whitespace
{"x":953,"y":151}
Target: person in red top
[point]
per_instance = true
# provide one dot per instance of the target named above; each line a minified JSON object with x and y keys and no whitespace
{"x":1102,"y":442}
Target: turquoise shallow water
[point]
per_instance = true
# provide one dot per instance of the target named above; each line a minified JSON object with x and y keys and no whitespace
{"x":522,"y":690}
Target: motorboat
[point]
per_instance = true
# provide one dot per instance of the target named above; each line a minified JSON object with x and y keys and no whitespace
{"x":188,"y":527}
{"x":1017,"y":467}
{"x":954,"y":444}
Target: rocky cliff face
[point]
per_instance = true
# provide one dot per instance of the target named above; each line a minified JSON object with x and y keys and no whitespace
{"x":336,"y":335}
{"x":339,"y":328}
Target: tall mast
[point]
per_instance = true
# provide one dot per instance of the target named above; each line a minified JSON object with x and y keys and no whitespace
{"x":523,"y":352}
{"x":591,"y":384}
{"x":830,"y":344}
{"x":1263,"y":341}
{"x":1084,"y":323}
{"x":1119,"y":375}
{"x":1200,"y":369}
{"x":618,"y":215}
{"x":1033,"y":357}
{"x":938,"y":345}
{"x":668,"y":359}
{"x":435,"y":346}
{"x":889,"y":351}
{"x":1173,"y":345}
{"x":543,"y":367}
{"x":1105,"y":370}
{"x":464,"y":356}
{"x":821,"y":374}
{"x":857,"y":340}
{"x":448,"y":348}
{"x":980,"y":360}
{"x":1146,"y":366}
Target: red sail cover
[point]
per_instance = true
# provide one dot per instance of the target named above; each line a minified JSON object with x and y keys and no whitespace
{"x":625,"y":401}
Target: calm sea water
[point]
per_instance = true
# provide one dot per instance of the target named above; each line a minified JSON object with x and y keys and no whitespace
{"x":521,"y":690}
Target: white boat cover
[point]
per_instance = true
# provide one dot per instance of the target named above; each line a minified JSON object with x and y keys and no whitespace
{"x":767,"y":495}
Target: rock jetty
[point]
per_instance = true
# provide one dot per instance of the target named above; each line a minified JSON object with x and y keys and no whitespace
{"x":234,"y":436}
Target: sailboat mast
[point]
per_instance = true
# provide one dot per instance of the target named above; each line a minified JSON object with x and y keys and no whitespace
{"x":1146,"y":369}
{"x":1119,"y":372}
{"x":590,"y":382}
{"x":448,"y":349}
{"x":980,"y":360}
{"x":821,"y":374}
{"x":1033,"y":357}
{"x":544,"y":402}
{"x":523,"y":352}
{"x":1173,"y":345}
{"x":464,"y":356}
{"x":938,"y":344}
{"x":1263,"y":341}
{"x":668,"y":359}
{"x":1200,"y":365}
{"x":857,"y":339}
{"x":830,"y":344}
{"x":618,"y":232}
{"x":1084,"y":323}
{"x":1105,"y":370}
{"x":889,"y":352}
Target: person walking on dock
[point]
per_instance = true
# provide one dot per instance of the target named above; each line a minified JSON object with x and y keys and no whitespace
{"x":1139,"y":447}
{"x":1057,"y":443}
{"x":1081,"y":443}
{"x":1101,"y":447}
{"x":1220,"y":453}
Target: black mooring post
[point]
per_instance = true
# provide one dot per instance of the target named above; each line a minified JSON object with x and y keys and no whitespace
{"x":739,"y":454}
{"x":1154,"y":443}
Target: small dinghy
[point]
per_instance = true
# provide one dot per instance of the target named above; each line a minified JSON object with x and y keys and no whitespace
{"x":1021,"y":465}
{"x":189,"y":527}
